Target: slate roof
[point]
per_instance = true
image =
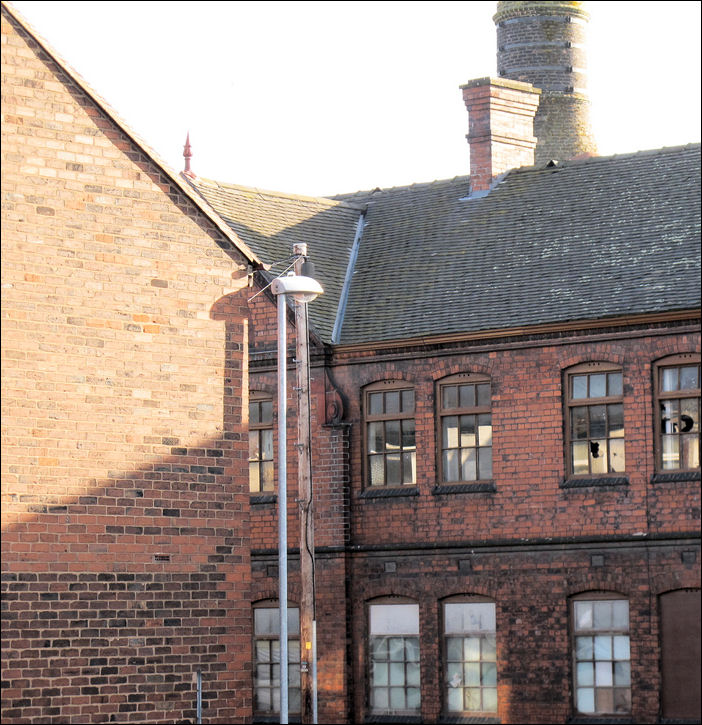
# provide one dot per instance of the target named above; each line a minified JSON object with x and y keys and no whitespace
{"x":587,"y":239}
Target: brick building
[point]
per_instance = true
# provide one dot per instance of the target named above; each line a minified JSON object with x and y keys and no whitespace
{"x":505,"y":401}
{"x":125,"y":544}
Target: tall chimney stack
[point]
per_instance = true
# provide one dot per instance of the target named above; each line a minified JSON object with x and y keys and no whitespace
{"x":543,"y":43}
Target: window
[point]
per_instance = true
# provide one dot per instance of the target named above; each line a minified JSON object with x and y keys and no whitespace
{"x":678,"y":422}
{"x":260,"y":444}
{"x":392,"y":452}
{"x":394,"y":659}
{"x":595,"y":421}
{"x":602,"y":677}
{"x":466,"y":429}
{"x":471,"y":661}
{"x":267,"y":659}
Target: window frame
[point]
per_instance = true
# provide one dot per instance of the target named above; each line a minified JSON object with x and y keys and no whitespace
{"x":370,"y":662}
{"x":673,"y":361}
{"x":445,"y":635}
{"x":292,"y":663}
{"x":591,"y":368}
{"x":612,"y":632}
{"x":476,"y":410}
{"x":385,"y":387}
{"x":256,"y":397}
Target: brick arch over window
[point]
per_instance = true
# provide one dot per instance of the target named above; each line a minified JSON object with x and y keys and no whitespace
{"x":615,"y":355}
{"x":445,"y":368}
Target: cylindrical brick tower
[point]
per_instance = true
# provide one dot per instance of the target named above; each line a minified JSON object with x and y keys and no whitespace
{"x":543,"y":43}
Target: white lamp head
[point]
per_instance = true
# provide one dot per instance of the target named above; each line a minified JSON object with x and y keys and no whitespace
{"x":300,"y":288}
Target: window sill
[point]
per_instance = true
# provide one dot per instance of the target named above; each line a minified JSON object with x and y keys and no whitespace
{"x":675,"y":476}
{"x":469,"y":719}
{"x":600,"y":720}
{"x":487,"y":486}
{"x":599,"y":482}
{"x":393,"y":718}
{"x":390,"y":492}
{"x":256,"y":499}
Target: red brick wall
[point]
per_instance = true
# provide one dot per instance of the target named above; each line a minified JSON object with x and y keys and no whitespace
{"x":125,"y":559}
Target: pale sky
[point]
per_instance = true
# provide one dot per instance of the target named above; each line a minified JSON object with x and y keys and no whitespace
{"x":328,"y":97}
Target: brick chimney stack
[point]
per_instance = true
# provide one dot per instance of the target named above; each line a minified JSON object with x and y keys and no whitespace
{"x":501,"y":128}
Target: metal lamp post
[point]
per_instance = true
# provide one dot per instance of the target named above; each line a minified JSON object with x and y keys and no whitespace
{"x":301,"y":289}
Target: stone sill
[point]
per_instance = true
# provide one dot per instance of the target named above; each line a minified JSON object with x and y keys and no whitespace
{"x":487,"y":486}
{"x":675,"y":476}
{"x":390,"y":492}
{"x":598,"y":482}
{"x":256,"y":499}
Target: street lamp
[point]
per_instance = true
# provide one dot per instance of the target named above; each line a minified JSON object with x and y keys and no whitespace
{"x":301,"y":289}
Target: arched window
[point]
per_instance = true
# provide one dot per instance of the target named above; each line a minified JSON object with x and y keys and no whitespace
{"x":601,"y":657}
{"x":465,"y":429}
{"x":267,"y":658}
{"x":394,"y":669}
{"x":390,"y":434}
{"x":677,"y":390}
{"x":594,"y":420}
{"x":470,"y":656}
{"x":261,"y":478}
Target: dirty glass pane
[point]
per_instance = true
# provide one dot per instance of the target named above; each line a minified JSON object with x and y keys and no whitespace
{"x":394,"y":473}
{"x":580,"y":457}
{"x":266,"y":620}
{"x":616,"y":455}
{"x":449,"y":396}
{"x":602,"y":615}
{"x":454,"y":649}
{"x":484,"y":430}
{"x":603,"y":674}
{"x":394,"y":619}
{"x":598,"y":421}
{"x":413,"y":674}
{"x":392,"y":435}
{"x":455,"y":699}
{"x":254,"y":478}
{"x":407,"y":401}
{"x":598,"y":456}
{"x":397,"y":698}
{"x":379,"y":699}
{"x":409,"y":467}
{"x":578,"y":422}
{"x":267,"y":476}
{"x":294,"y":699}
{"x":379,"y":648}
{"x":689,"y":415}
{"x":392,"y":401}
{"x":483,"y":391}
{"x":579,"y":386}
{"x":413,"y":698}
{"x":622,"y":700}
{"x":267,"y":411}
{"x":467,"y":396}
{"x":468,"y":472}
{"x":380,"y":673}
{"x":614,"y":383}
{"x":407,"y":434}
{"x":263,"y":653}
{"x":377,"y":470}
{"x":615,"y":413}
{"x":689,"y":377}
{"x":376,"y":438}
{"x":585,"y":673}
{"x":489,"y":647}
{"x":254,"y":412}
{"x":397,"y":673}
{"x":669,"y":416}
{"x":583,"y":615}
{"x":622,"y":673}
{"x":412,"y":649}
{"x":620,"y":614}
{"x":484,"y":463}
{"x":450,"y":431}
{"x":583,"y":648}
{"x":603,"y":647}
{"x":451,"y":465}
{"x":253,"y":445}
{"x":396,"y":647}
{"x":471,"y":649}
{"x":604,"y":700}
{"x":267,"y":445}
{"x":490,"y":699}
{"x":621,"y":647}
{"x":472,"y":698}
{"x":471,"y":673}
{"x":669,"y":380}
{"x":598,"y":385}
{"x":489,"y":673}
{"x":375,"y":403}
{"x":585,"y":699}
{"x":263,"y":696}
{"x":690,"y":450}
{"x":467,"y":431}
{"x":671,"y":456}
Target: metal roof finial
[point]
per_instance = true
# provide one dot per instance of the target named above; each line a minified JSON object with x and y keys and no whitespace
{"x":187,"y":155}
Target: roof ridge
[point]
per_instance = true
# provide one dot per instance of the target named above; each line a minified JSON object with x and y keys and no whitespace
{"x":112,"y":114}
{"x":413,"y":185}
{"x":321,"y":200}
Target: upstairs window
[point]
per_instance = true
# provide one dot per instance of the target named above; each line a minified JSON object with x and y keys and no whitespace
{"x":394,"y":659}
{"x":260,"y":444}
{"x":595,"y":420}
{"x":465,"y":429}
{"x":390,"y":436}
{"x":678,"y":420}
{"x":602,"y":668}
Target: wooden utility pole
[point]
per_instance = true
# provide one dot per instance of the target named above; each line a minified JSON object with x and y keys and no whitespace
{"x":308,"y":644}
